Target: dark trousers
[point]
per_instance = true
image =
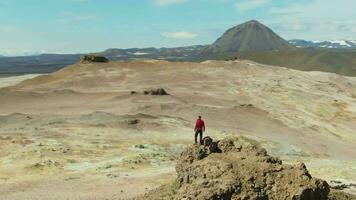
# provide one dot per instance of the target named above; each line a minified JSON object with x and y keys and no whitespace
{"x":200,"y":133}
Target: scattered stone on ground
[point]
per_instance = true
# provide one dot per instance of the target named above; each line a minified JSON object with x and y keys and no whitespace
{"x":45,"y":163}
{"x":140,"y":146}
{"x":159,"y":91}
{"x":132,"y":121}
{"x":246,"y":105}
{"x":339,"y":185}
{"x":92,"y":58}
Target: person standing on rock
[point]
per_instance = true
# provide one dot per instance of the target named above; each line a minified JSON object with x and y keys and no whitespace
{"x":199,"y":129}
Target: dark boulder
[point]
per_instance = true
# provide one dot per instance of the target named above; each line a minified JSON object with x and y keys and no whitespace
{"x":159,"y":91}
{"x":207,"y":141}
{"x":93,"y":58}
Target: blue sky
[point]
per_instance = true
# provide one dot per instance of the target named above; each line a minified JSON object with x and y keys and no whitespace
{"x":67,"y":26}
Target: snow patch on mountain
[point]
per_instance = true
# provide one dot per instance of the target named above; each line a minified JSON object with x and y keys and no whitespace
{"x":324,"y":44}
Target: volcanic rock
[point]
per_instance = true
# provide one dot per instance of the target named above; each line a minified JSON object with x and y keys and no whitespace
{"x":159,"y":91}
{"x":243,"y":172}
{"x":92,"y":58}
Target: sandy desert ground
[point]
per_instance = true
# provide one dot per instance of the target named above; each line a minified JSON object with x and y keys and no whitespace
{"x":82,"y":133}
{"x":9,"y":80}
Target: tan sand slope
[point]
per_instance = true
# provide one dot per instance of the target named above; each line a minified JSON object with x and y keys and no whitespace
{"x":13,"y":80}
{"x":78,"y":131}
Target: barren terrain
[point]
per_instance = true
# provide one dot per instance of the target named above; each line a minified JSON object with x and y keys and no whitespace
{"x":88,"y":131}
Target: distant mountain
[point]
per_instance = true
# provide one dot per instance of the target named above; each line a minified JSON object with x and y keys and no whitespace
{"x":46,"y":63}
{"x":251,"y":36}
{"x":324,"y":44}
{"x":251,"y":40}
{"x":178,"y":53}
{"x":43,"y":63}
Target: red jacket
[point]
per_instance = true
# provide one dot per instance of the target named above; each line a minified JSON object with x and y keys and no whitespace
{"x":199,"y":125}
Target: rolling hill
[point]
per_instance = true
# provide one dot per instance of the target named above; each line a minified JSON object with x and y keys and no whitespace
{"x":309,"y":59}
{"x":94,"y":122}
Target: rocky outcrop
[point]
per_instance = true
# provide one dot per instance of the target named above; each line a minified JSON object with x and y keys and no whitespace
{"x":243,"y":172}
{"x":92,"y":58}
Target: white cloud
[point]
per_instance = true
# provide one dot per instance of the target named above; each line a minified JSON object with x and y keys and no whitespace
{"x":168,"y":2}
{"x":180,"y":35}
{"x":250,"y":4}
{"x":16,"y":52}
{"x":316,"y":20}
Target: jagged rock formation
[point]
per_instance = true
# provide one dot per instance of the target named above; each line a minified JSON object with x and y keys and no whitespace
{"x":243,"y":173}
{"x":240,"y":172}
{"x":92,"y":58}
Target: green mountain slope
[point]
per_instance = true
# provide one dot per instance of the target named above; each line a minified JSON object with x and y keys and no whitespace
{"x":327,"y":60}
